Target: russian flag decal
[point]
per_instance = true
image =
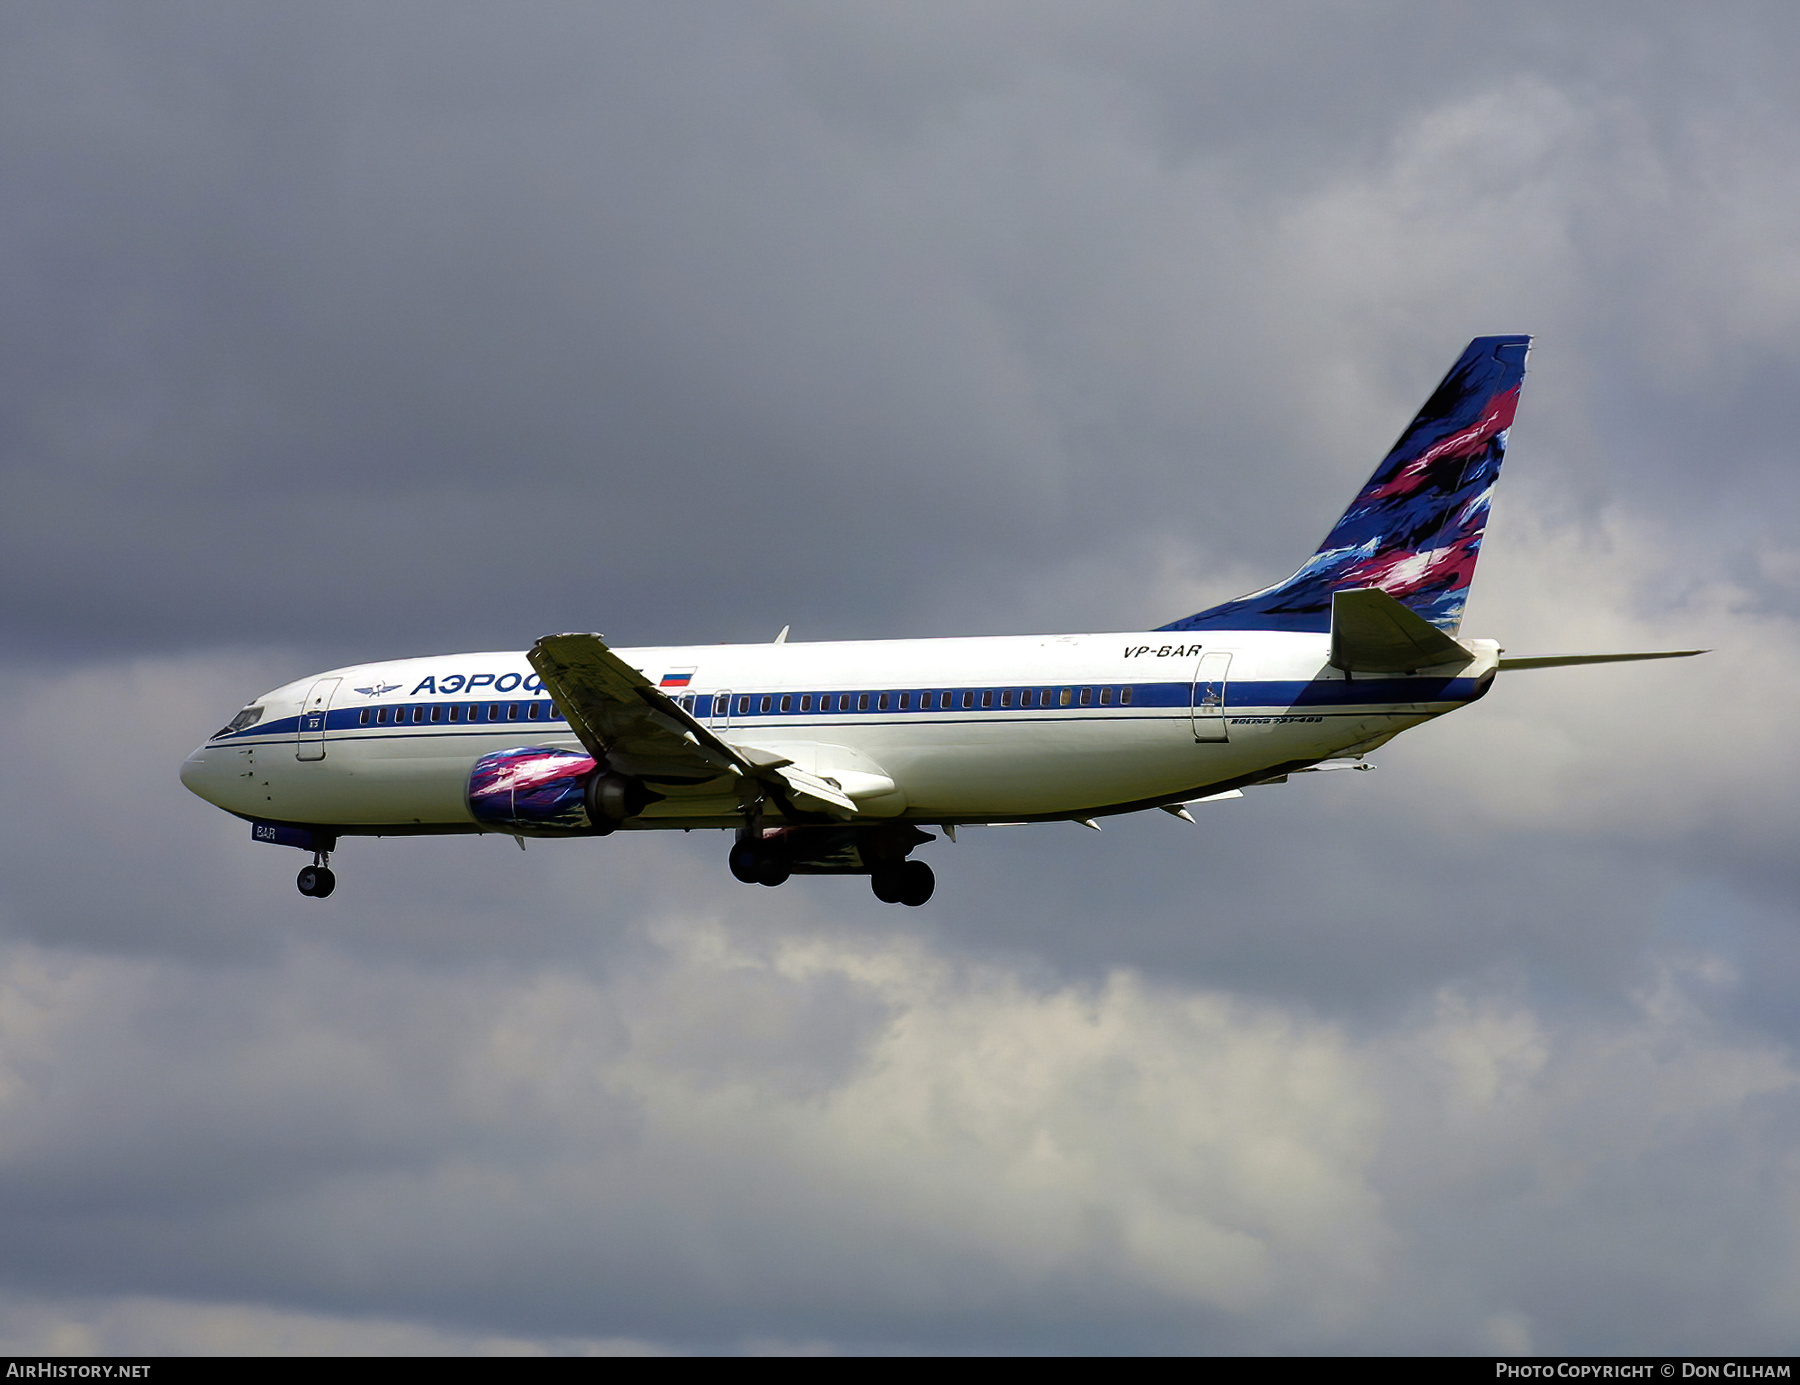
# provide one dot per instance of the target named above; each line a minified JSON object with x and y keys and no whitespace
{"x":677,"y":678}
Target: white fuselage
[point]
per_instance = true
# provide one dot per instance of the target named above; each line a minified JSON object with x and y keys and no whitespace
{"x":941,"y":731}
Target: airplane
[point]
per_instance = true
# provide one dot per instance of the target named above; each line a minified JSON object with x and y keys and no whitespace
{"x":832,"y":758}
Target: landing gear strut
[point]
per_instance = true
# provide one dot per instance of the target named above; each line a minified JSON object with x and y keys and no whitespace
{"x":316,"y":881}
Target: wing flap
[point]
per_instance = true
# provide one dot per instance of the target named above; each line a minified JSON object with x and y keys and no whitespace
{"x":814,"y":794}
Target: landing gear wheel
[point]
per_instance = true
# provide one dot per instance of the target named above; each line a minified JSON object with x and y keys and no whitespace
{"x":316,"y":882}
{"x":771,"y":871}
{"x":916,"y":883}
{"x":744,"y":860}
{"x":885,"y":881}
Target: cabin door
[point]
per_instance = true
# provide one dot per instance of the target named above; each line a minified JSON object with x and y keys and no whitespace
{"x":312,"y":719}
{"x":1209,"y":697}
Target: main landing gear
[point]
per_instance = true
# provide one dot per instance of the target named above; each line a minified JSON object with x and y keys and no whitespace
{"x":903,"y":882}
{"x":755,"y":864}
{"x":316,"y":881}
{"x":770,"y":858}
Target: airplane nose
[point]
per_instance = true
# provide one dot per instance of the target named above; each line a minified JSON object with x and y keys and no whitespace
{"x":197,"y":775}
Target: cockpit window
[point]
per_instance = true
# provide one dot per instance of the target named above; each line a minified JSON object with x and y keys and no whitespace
{"x":248,"y":717}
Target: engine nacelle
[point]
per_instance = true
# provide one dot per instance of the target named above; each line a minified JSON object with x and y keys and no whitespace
{"x":536,"y":790}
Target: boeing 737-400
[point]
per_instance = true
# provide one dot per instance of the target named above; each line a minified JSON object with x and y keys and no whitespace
{"x":832,"y":758}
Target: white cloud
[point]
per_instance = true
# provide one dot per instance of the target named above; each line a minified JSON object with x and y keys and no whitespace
{"x":965,"y":1143}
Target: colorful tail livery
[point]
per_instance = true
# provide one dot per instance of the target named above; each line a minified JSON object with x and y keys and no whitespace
{"x":1415,"y":531}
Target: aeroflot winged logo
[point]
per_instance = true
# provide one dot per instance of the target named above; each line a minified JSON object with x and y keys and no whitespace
{"x":378,"y":689}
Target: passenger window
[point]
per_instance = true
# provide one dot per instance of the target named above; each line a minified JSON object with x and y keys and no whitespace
{"x":968,"y":699}
{"x":881,"y":703}
{"x":455,"y":713}
{"x":1025,"y":697}
{"x":987,"y":698}
{"x":765,"y":704}
{"x":1124,"y":697}
{"x":1067,"y":697}
{"x":493,"y":711}
{"x":1087,"y":697}
{"x":381,"y":716}
{"x":843,"y":702}
{"x":862,"y":702}
{"x":534,"y":711}
{"x":687,"y":704}
{"x":1106,"y":697}
{"x":806,"y":702}
{"x":905,"y":701}
{"x":1006,"y":698}
{"x":512,"y":711}
{"x":364,"y":721}
{"x":743,"y":707}
{"x":437,"y":713}
{"x":787,"y":702}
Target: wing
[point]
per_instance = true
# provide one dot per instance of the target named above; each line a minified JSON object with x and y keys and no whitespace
{"x":637,"y":729}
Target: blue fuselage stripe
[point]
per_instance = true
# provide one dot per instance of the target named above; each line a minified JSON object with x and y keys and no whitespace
{"x":1149,"y":701}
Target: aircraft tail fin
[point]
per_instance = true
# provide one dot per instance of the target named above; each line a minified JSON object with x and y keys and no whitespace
{"x":1415,"y":530}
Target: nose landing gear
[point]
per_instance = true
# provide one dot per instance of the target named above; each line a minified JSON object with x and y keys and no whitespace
{"x":316,"y":881}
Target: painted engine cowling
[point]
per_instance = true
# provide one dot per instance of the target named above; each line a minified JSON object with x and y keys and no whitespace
{"x":535,"y":790}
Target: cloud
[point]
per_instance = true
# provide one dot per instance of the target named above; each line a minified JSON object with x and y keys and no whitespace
{"x":813,"y":1138}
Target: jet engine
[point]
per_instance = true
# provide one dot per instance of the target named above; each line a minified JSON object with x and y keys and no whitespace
{"x":611,"y":797}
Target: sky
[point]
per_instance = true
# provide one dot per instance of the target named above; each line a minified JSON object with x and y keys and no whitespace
{"x":335,"y":332}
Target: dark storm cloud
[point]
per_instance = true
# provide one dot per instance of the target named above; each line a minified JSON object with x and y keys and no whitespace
{"x":336,"y":322}
{"x":346,"y":331}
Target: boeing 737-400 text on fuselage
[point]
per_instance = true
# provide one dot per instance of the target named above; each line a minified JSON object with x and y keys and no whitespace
{"x":831,"y":759}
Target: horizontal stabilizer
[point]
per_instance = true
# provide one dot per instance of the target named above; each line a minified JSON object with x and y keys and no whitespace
{"x":1564,"y":660}
{"x":1373,"y":633}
